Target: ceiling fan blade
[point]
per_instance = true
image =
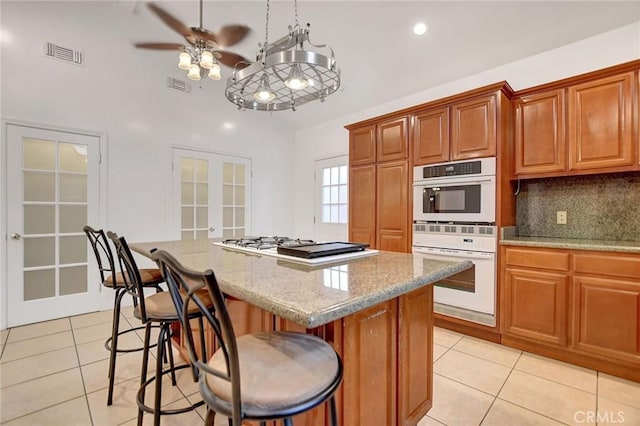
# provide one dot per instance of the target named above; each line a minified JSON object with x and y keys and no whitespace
{"x":231,"y":59}
{"x":172,"y":22}
{"x":204,"y":34}
{"x":232,"y":34}
{"x":159,"y":46}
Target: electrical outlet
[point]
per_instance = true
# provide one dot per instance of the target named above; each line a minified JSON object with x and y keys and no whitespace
{"x":561,"y":217}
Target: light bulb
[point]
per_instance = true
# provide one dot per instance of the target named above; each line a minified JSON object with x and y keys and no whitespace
{"x":206,"y":60}
{"x":296,"y":80}
{"x":214,"y":72}
{"x":264,"y":93}
{"x":184,"y":62}
{"x":194,"y":72}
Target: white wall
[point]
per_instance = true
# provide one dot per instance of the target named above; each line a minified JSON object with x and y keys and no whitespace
{"x":611,"y":48}
{"x":140,"y":116}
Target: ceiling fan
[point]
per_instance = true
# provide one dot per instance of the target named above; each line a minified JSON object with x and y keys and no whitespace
{"x":201,"y":40}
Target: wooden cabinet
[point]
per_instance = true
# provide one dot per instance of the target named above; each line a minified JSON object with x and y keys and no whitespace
{"x":370,"y":338}
{"x":600,"y":126}
{"x":362,"y":204}
{"x":585,"y":125}
{"x":415,"y":365}
{"x":578,"y":306}
{"x":392,"y":207}
{"x":379,"y":198}
{"x":540,"y":133}
{"x":463,"y":129}
{"x":473,"y":128}
{"x":535,"y":286}
{"x":362,"y":145}
{"x":606,"y":299}
{"x":392,"y":140}
{"x":431,"y":136}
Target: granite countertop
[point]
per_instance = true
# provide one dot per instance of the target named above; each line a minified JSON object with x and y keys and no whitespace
{"x":309,"y":295}
{"x":572,"y":243}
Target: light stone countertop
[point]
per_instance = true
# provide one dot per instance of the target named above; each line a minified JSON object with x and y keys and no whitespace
{"x":573,"y":244}
{"x":309,"y":295}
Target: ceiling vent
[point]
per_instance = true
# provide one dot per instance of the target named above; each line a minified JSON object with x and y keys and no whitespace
{"x":179,"y":85}
{"x":65,"y":54}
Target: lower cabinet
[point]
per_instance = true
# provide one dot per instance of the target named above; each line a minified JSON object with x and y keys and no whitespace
{"x":537,"y":305}
{"x":579,"y":306}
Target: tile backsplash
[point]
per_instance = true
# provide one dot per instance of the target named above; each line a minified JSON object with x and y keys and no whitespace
{"x":599,"y":207}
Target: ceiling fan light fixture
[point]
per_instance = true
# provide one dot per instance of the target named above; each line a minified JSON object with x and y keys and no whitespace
{"x":296,"y":80}
{"x":206,"y":59}
{"x":194,"y":72}
{"x":215,"y":72}
{"x":184,"y":60}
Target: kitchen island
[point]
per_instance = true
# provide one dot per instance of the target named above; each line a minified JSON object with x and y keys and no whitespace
{"x":376,"y":311}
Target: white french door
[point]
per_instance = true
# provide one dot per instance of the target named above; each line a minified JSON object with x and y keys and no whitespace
{"x":331,"y":197}
{"x":211,"y":195}
{"x":52,"y":192}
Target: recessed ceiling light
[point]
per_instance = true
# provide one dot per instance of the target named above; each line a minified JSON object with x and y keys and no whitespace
{"x":420,"y":28}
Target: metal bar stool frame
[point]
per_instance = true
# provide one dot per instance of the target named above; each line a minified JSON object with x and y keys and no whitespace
{"x":183,"y":295}
{"x":110,"y":279}
{"x":128,"y":264}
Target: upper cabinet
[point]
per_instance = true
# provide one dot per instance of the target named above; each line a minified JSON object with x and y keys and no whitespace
{"x":473,"y":128}
{"x":540,"y":133}
{"x":461,"y":127}
{"x":600,"y":126}
{"x":586,"y":124}
{"x":362,"y":145}
{"x":431,"y":136}
{"x":393,"y":140}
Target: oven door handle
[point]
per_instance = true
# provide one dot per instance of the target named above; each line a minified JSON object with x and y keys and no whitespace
{"x":454,"y":253}
{"x":446,"y":183}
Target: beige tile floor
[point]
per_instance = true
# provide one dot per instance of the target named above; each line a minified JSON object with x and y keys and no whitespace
{"x":54,"y":373}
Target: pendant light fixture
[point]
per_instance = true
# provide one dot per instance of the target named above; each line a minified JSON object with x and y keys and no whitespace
{"x":287,"y":73}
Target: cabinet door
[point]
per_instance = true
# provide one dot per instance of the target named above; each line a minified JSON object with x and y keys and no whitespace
{"x":600,"y":123}
{"x":540,"y":133}
{"x":473,"y":128}
{"x":392,"y":217}
{"x":362,"y":145}
{"x":415,"y":357}
{"x":536,"y":305}
{"x":370,"y":356}
{"x":431,"y":137}
{"x":393,"y":140}
{"x":606,"y":317}
{"x":362,"y":205}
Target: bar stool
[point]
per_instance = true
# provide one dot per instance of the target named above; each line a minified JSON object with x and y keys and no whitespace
{"x":151,"y":278}
{"x":260,"y":376}
{"x":153,"y":309}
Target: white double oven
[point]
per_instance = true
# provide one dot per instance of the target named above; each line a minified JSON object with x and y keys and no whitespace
{"x":454,"y":219}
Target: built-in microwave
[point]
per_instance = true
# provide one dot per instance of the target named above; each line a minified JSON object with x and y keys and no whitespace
{"x":462,"y":191}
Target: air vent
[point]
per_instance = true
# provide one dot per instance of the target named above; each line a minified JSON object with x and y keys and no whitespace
{"x":64,"y":54}
{"x":449,"y":229}
{"x":420,"y":228}
{"x":179,"y":85}
{"x":433,"y":228}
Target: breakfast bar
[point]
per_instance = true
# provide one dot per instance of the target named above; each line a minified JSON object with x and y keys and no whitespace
{"x":375,"y":309}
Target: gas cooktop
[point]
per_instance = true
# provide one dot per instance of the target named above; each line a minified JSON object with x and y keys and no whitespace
{"x":297,"y":250}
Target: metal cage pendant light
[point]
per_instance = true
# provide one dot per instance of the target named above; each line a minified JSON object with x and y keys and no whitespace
{"x":286,"y":73}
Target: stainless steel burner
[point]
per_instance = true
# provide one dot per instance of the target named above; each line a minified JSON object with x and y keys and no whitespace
{"x":264,"y":243}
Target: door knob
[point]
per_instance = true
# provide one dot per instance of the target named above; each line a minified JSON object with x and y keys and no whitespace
{"x":15,"y":236}
{"x":212,"y":229}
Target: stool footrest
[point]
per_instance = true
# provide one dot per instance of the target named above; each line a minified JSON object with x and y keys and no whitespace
{"x":107,"y":343}
{"x":147,"y":409}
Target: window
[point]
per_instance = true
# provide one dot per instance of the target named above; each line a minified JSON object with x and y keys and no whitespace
{"x":334,"y":194}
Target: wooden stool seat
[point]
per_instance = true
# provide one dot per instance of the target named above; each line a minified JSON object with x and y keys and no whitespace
{"x":150,"y":277}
